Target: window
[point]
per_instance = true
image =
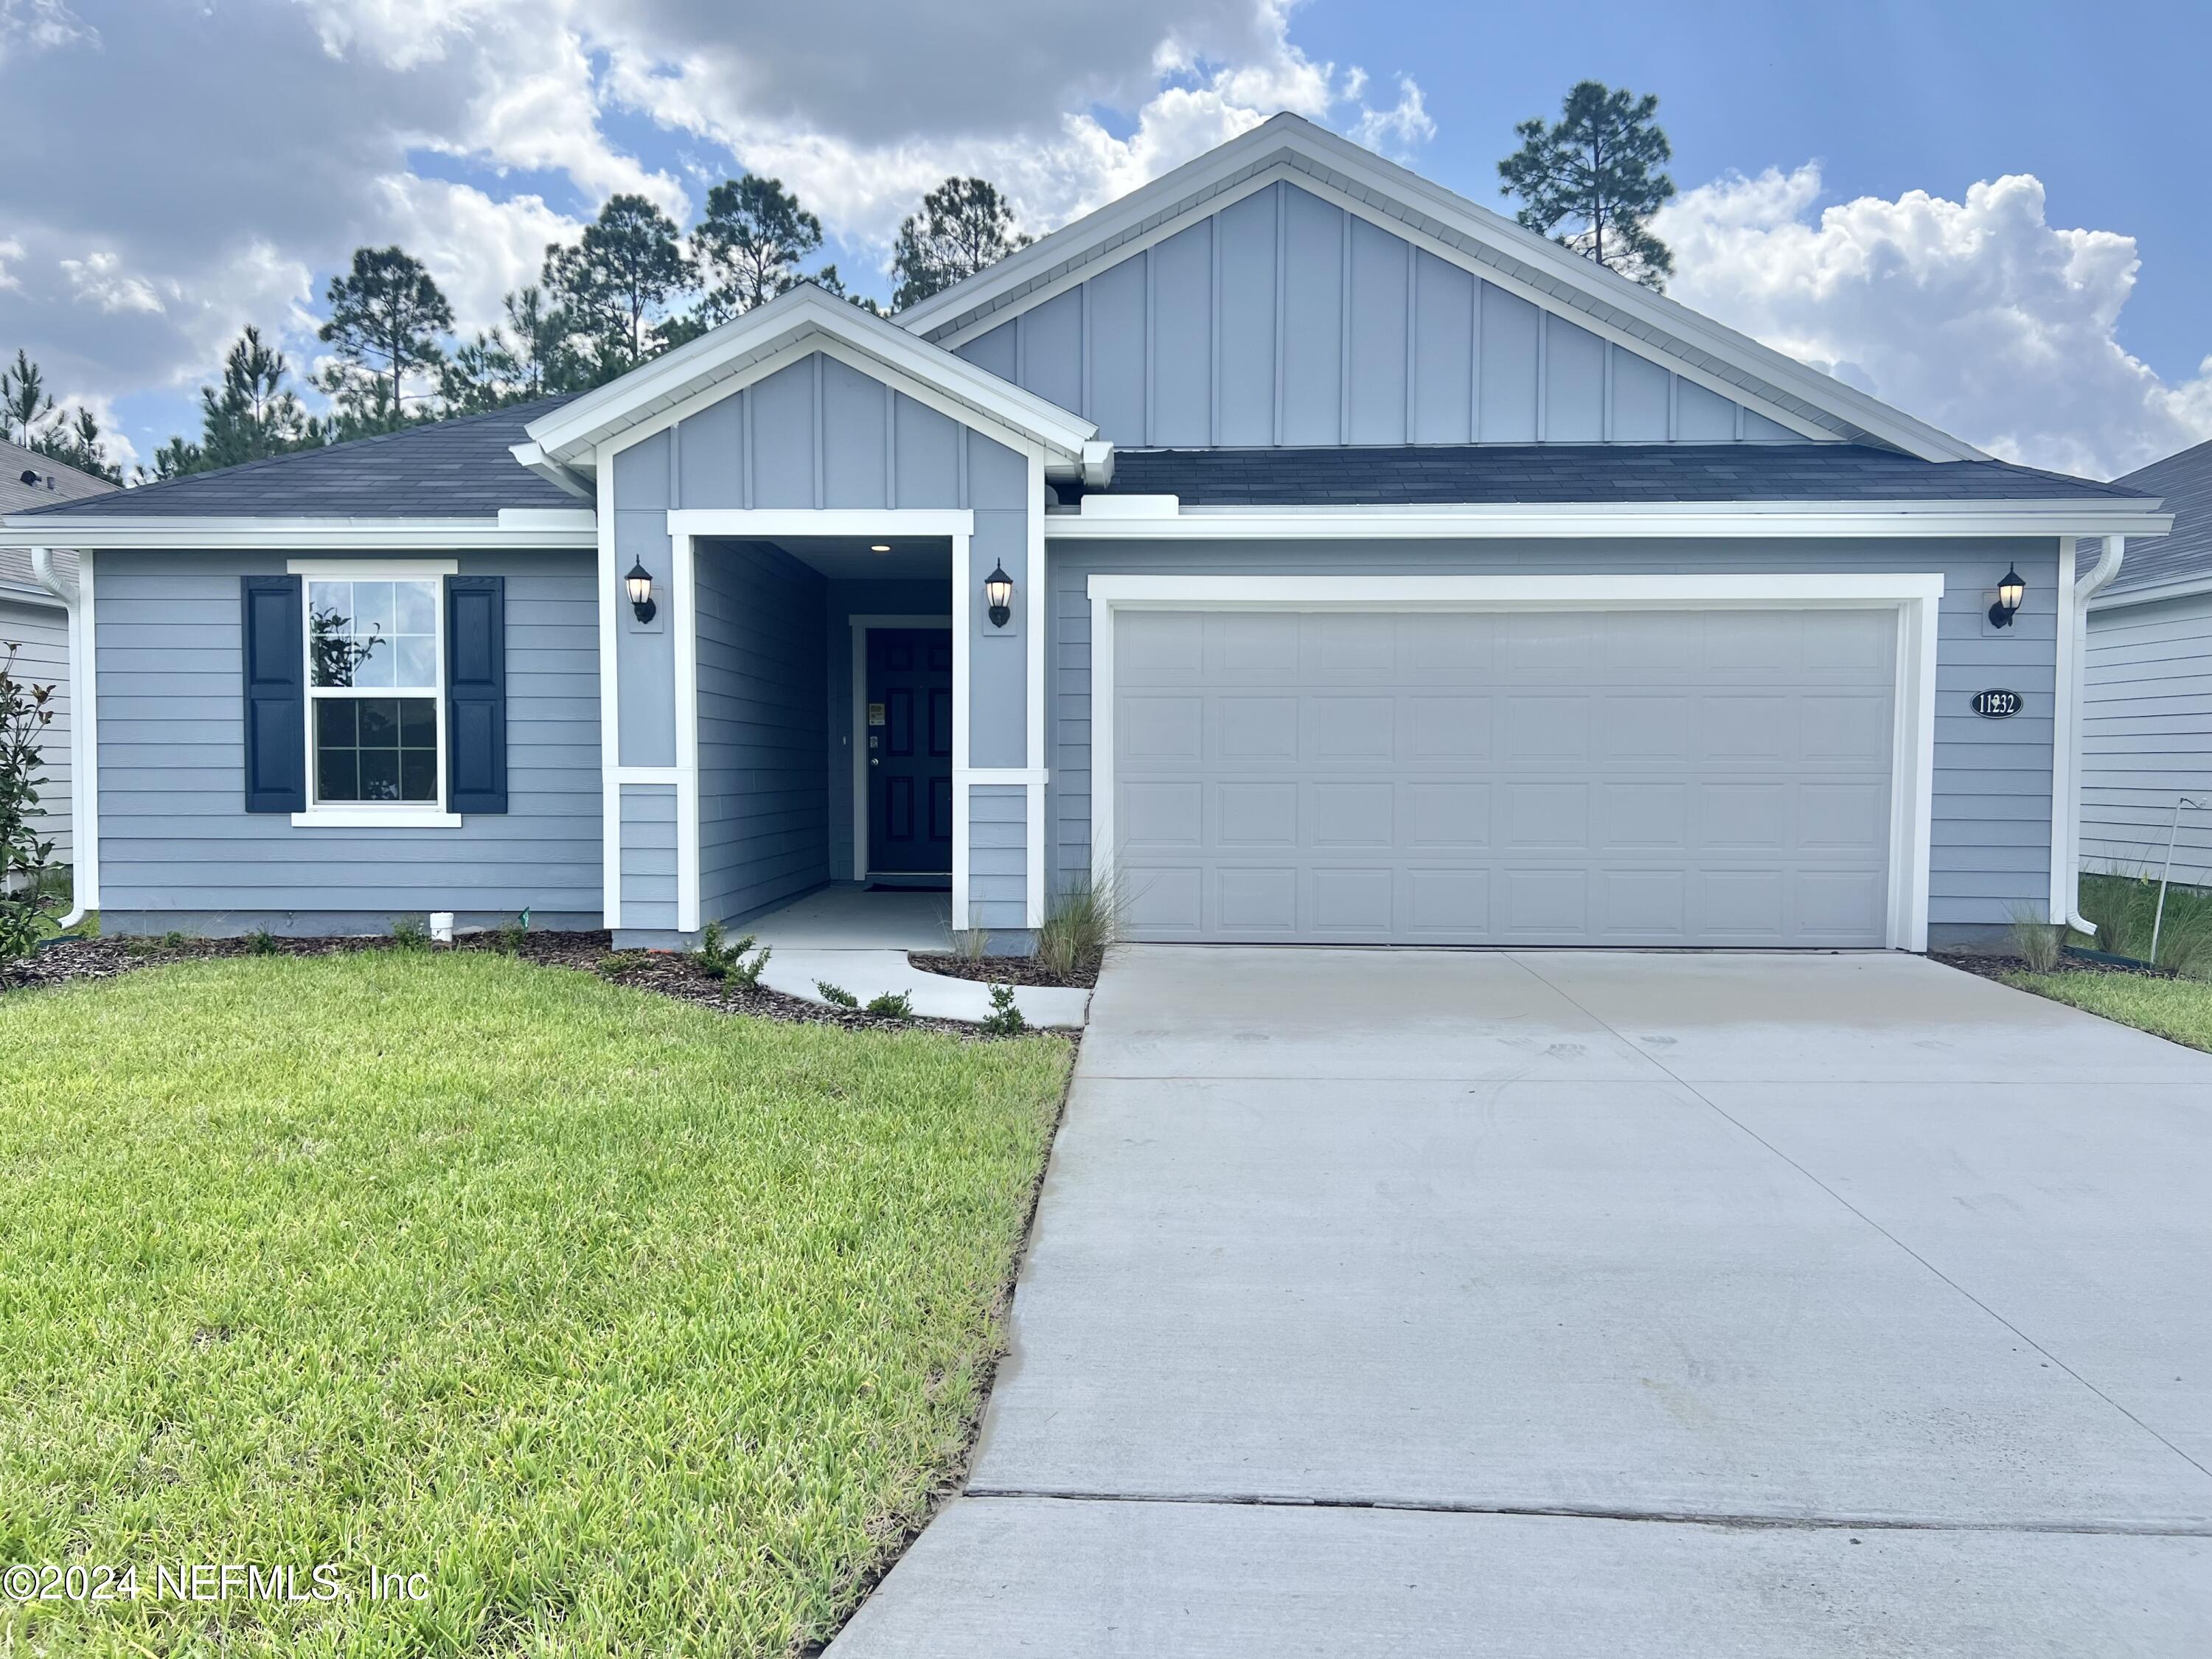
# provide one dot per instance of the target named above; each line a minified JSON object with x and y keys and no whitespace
{"x":374,"y":684}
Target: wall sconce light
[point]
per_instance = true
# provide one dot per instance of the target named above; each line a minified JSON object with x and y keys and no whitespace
{"x":2010,"y":592}
{"x":639,"y":584}
{"x":998,"y":594}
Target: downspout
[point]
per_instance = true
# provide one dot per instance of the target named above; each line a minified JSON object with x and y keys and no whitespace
{"x":81,"y":826}
{"x":2085,"y":589}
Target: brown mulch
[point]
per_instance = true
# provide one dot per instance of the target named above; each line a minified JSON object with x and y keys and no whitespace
{"x":1992,"y":964}
{"x":666,"y":973}
{"x":1005,"y":970}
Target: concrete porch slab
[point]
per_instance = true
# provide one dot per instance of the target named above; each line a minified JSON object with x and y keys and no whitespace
{"x":869,"y":974}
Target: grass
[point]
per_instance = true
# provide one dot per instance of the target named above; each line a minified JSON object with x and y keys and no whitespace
{"x":2125,"y":908}
{"x":2180,"y":1009}
{"x":1082,"y":921}
{"x":635,"y":1328}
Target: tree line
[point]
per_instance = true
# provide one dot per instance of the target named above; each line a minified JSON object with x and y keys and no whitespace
{"x":634,"y":285}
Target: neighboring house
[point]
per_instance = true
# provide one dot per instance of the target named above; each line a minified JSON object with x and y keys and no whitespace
{"x":35,"y":619}
{"x":1315,"y":553}
{"x":2147,"y":725}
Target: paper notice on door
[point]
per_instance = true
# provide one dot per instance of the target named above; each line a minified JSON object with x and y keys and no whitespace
{"x":875,"y":713}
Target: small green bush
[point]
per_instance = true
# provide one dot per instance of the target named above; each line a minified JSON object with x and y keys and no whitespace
{"x":261,"y":942}
{"x":27,"y":900}
{"x":615,"y":964}
{"x":1081,"y":923}
{"x":1005,"y":1018}
{"x":2036,"y":941}
{"x":515,"y":934}
{"x":721,"y":960}
{"x":836,"y":994}
{"x":409,"y":934}
{"x":892,"y":1005}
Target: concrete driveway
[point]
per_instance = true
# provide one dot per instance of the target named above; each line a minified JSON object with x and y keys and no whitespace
{"x":1556,"y":1303}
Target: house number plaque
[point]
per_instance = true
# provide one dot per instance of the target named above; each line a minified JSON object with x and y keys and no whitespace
{"x":1996,"y":705}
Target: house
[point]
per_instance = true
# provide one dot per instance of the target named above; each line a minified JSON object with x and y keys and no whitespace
{"x":35,"y":619}
{"x":1309,"y":551}
{"x":2146,"y":722}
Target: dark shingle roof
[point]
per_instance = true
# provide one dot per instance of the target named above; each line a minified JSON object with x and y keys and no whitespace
{"x":1480,"y":474}
{"x":456,"y":468}
{"x":56,"y":482}
{"x":2185,"y":553}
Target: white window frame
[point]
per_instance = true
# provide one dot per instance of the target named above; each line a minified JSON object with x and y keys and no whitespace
{"x":373,"y":815}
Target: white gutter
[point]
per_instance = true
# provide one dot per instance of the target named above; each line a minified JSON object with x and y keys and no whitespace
{"x":83,"y":827}
{"x":2085,"y":589}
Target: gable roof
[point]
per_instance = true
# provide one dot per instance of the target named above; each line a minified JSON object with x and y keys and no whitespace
{"x":2179,"y":561}
{"x":1478,"y":474}
{"x":802,"y":318}
{"x":58,"y":481}
{"x":460,"y":468}
{"x":1486,"y":242}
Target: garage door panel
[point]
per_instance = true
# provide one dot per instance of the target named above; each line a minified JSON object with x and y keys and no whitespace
{"x":1652,"y":778}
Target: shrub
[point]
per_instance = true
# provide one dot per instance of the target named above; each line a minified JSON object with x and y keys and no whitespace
{"x":173,"y":940}
{"x":409,"y":934}
{"x":513,"y":936}
{"x":25,"y":897}
{"x":1005,"y":1018}
{"x":1080,"y":924}
{"x":615,"y":964}
{"x":261,"y":942}
{"x":720,"y":960}
{"x":892,"y":1005}
{"x":836,"y":994}
{"x":2037,"y":940}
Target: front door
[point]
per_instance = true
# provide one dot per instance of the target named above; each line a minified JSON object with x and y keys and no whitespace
{"x":909,"y":738}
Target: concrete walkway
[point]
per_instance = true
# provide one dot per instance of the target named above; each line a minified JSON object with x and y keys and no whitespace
{"x":858,"y":940}
{"x":1553,"y":1303}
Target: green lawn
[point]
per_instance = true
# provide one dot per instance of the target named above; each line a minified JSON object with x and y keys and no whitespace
{"x":635,"y":1328}
{"x":2177,"y":1008}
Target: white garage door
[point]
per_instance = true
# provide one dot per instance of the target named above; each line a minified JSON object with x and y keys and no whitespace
{"x":1630,"y":778}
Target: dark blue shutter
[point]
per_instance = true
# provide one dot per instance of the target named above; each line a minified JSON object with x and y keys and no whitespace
{"x":476,"y":694}
{"x":276,"y":695}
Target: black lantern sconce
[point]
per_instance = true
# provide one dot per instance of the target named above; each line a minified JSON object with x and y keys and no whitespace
{"x":639,"y":584}
{"x":999,"y":595}
{"x":2010,"y":592}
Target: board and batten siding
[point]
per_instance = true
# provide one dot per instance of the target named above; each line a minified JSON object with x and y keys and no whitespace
{"x":40,"y":632}
{"x":2146,"y":737}
{"x":1991,"y":839}
{"x":764,"y":763}
{"x":178,"y":847}
{"x":1284,"y":319}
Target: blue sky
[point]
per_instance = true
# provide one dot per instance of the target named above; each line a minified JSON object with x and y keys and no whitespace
{"x":1989,"y":215}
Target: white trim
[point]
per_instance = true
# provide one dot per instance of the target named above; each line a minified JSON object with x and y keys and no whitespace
{"x":1013,"y":776}
{"x":804,"y":317}
{"x":1036,"y":608}
{"x":644,"y":774}
{"x":84,"y":742}
{"x":370,"y":570}
{"x":1325,"y":160}
{"x":684,"y":590}
{"x":2066,"y":694}
{"x":2184,"y":587}
{"x":2111,"y":555}
{"x":393,"y":535}
{"x":770,"y":522}
{"x":1657,"y":518}
{"x":349,"y":816}
{"x":963,"y":707}
{"x":1914,"y":594}
{"x":561,"y":477}
{"x":857,"y":652}
{"x":611,"y":766}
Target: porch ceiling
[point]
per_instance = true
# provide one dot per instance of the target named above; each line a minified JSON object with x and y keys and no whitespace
{"x":854,"y":558}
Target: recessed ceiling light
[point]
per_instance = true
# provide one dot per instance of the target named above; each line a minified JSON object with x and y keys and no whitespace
{"x":880,"y":547}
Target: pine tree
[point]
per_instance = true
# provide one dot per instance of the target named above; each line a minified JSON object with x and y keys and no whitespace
{"x":965,"y":225}
{"x":75,"y":441}
{"x":750,"y":245}
{"x":24,"y":404}
{"x":386,"y":315}
{"x":614,"y":284}
{"x":1592,"y":172}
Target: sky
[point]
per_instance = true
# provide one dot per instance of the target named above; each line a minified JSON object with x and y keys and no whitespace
{"x":1991,"y":215}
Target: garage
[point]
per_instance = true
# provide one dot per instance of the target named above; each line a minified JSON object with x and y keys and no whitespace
{"x":1660,"y":777}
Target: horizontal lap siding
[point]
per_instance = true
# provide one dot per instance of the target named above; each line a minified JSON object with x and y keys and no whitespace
{"x":998,"y":855}
{"x":1990,"y":837}
{"x":2146,"y":737}
{"x":648,"y":855}
{"x":42,"y":634}
{"x":763,"y":764}
{"x":174,"y":833}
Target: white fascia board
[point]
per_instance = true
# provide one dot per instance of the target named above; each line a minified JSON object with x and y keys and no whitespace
{"x":1366,"y":176}
{"x":573,"y":433}
{"x":561,"y":477}
{"x":2182,"y":588}
{"x":1821,"y":519}
{"x":357,"y":535}
{"x":1551,"y":592}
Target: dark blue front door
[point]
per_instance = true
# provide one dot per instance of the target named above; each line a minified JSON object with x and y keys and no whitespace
{"x":909,"y":738}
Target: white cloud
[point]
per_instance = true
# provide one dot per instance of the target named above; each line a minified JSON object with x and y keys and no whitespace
{"x":1980,"y":315}
{"x":30,"y":27}
{"x":481,"y":250}
{"x":99,"y":278}
{"x":1396,"y":131}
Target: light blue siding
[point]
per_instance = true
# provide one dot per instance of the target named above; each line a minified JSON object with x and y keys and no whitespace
{"x":1992,"y":820}
{"x":648,"y":857}
{"x":2146,"y":737}
{"x":763,"y":760}
{"x":176,"y":839}
{"x":998,"y":856}
{"x":1284,"y":319}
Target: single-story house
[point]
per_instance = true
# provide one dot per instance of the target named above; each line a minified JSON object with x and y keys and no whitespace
{"x":2147,"y":723}
{"x":1309,"y":552}
{"x":35,"y":619}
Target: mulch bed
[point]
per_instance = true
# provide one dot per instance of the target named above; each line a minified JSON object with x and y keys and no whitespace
{"x":666,"y":973}
{"x":1991,"y":965}
{"x":1005,"y":970}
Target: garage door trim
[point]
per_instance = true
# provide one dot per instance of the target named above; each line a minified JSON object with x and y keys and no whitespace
{"x":1912,"y":595}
